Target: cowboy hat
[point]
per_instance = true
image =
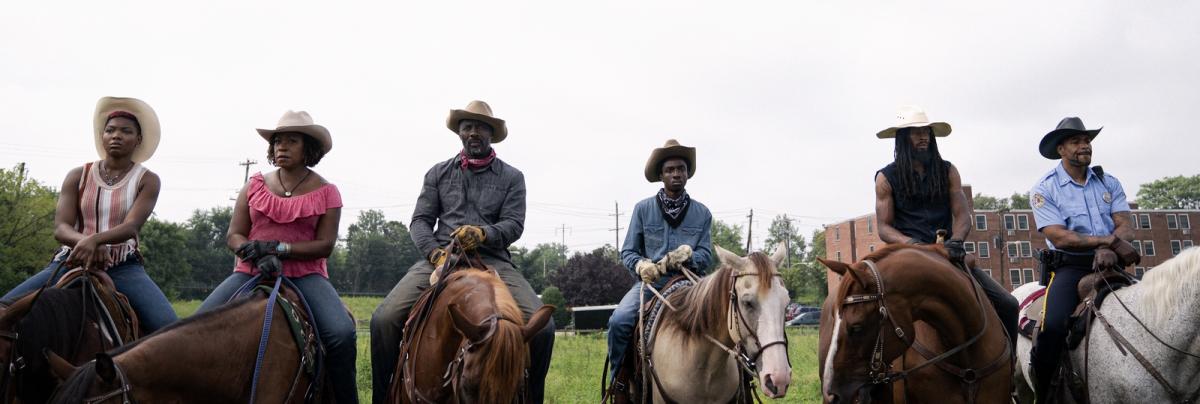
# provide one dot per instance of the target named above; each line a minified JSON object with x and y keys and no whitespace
{"x":479,"y":111}
{"x":914,"y":117}
{"x":671,"y":149}
{"x":147,"y":120}
{"x":1067,"y":127}
{"x":300,"y":122}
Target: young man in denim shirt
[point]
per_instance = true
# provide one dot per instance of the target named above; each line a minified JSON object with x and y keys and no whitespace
{"x":667,"y":232}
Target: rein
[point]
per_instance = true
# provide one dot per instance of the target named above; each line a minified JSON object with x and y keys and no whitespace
{"x":122,"y":391}
{"x":266,"y":334}
{"x":15,"y":361}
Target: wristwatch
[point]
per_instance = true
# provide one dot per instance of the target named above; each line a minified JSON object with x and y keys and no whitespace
{"x":283,"y":249}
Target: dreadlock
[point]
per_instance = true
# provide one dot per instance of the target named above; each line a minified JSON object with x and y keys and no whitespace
{"x":935,"y":183}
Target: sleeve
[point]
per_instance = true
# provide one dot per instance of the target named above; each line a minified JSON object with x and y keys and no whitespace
{"x":425,"y":215}
{"x":702,"y":253}
{"x":1045,"y":208}
{"x":508,"y":229}
{"x":333,"y":198}
{"x":631,"y":250}
{"x":1119,"y":203}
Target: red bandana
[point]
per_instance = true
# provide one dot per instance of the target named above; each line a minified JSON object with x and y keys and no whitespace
{"x":475,"y":164}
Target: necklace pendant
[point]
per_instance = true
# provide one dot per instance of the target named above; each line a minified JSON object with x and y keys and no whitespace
{"x":287,"y":193}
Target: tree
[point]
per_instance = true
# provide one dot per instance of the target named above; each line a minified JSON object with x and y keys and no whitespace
{"x":378,"y":254}
{"x":164,"y":248}
{"x":206,"y":252}
{"x":554,"y":297}
{"x":783,"y":232}
{"x":538,"y":263}
{"x":985,"y":202}
{"x":26,"y":225}
{"x":728,"y":237}
{"x":1170,"y":193}
{"x":816,"y":268}
{"x":595,"y":278}
{"x":1019,"y":201}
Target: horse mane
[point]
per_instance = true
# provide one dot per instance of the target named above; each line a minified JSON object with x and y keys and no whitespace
{"x":503,"y":369}
{"x":52,"y":323}
{"x":195,"y":318}
{"x":1169,"y":285}
{"x":696,"y":316}
{"x":76,"y":387}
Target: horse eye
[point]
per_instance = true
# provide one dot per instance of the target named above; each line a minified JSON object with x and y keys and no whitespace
{"x":854,"y":329}
{"x":749,"y":305}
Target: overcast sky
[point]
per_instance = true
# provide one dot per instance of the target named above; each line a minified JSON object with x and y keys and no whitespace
{"x":781,"y":100}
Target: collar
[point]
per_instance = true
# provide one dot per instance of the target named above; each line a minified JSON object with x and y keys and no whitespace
{"x":1062,"y":177}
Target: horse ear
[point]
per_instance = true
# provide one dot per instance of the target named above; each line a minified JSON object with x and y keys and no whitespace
{"x":727,"y":258}
{"x":780,"y":254}
{"x":473,"y":332}
{"x":105,"y":368}
{"x":842,"y":268}
{"x":537,"y":322}
{"x":58,"y":366}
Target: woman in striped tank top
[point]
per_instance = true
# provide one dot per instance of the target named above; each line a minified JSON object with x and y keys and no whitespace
{"x":103,"y":205}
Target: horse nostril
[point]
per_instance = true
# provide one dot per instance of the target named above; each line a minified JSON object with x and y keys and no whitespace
{"x":770,"y":385}
{"x":833,"y":399}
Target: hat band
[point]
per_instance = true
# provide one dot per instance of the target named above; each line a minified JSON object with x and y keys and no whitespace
{"x":122,"y":114}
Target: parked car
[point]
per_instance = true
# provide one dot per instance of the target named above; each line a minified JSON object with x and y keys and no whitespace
{"x":808,"y":318}
{"x":795,"y":309}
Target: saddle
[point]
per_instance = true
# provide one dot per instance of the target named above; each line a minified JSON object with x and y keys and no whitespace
{"x":122,"y":323}
{"x":300,"y":322}
{"x":1094,"y":288}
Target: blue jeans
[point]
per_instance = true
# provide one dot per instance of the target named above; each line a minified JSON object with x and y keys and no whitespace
{"x":620,"y":325}
{"x":331,"y":319}
{"x":129,"y":276}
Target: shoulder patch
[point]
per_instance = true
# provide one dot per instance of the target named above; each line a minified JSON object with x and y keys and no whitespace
{"x":1107,"y":197}
{"x":1039,"y":200}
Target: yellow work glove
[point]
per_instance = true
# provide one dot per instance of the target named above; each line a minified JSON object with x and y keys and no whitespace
{"x":649,"y":271}
{"x":677,"y":257}
{"x":469,"y":236}
{"x":437,"y":257}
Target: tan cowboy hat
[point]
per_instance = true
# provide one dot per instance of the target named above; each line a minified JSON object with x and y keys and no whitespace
{"x":914,"y":117}
{"x":147,"y":121}
{"x":300,"y":122}
{"x":669,"y":150}
{"x":479,"y":111}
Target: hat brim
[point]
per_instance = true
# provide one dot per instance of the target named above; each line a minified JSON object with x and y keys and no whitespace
{"x":147,"y":121}
{"x":1049,"y":144}
{"x":499,"y":129}
{"x":317,"y":132}
{"x":688,"y":154}
{"x":940,"y":129}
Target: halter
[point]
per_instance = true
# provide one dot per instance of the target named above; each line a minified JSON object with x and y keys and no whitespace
{"x":123,"y":391}
{"x":454,"y":370}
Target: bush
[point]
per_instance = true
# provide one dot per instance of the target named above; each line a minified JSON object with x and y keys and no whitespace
{"x":554,"y":297}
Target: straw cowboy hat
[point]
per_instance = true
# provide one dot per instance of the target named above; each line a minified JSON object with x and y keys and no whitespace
{"x":146,"y":118}
{"x":300,"y":122}
{"x":479,"y":111}
{"x":914,"y":117}
{"x":1067,"y":127}
{"x":672,"y":149}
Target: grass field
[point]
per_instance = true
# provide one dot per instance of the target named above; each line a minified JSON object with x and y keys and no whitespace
{"x":578,"y":358}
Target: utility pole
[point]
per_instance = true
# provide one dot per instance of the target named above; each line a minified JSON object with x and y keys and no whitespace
{"x":247,"y":164}
{"x":564,"y":236}
{"x":616,"y":229}
{"x":750,"y":231}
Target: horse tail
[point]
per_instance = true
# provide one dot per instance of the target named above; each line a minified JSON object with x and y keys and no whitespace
{"x":504,"y":361}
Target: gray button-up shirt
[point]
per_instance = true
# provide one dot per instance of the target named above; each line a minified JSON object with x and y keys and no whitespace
{"x":492,"y":198}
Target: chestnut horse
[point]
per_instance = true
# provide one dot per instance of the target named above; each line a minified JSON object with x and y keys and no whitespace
{"x":906,"y":325}
{"x":206,"y":358}
{"x":469,"y":345}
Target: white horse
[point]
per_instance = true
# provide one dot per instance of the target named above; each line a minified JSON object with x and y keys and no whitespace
{"x":1167,"y":301}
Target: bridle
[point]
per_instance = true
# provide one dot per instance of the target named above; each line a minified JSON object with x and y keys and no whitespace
{"x":123,"y":391}
{"x":454,"y":370}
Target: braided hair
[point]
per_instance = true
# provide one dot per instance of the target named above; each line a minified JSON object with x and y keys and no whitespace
{"x":936,"y":184}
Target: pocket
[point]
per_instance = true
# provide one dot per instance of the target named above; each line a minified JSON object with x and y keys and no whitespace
{"x":654,"y":237}
{"x":491,"y":199}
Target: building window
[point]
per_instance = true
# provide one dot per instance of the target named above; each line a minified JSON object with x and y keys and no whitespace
{"x":1023,"y":222}
{"x":839,"y":255}
{"x":1184,"y":223}
{"x":1171,"y":222}
{"x":1013,"y":249}
{"x":1010,"y":222}
{"x":871,"y":248}
{"x":969,"y":246}
{"x":1148,"y":247}
{"x":1144,"y":221}
{"x":1187,"y":244}
{"x":1138,"y":272}
{"x":980,"y":222}
{"x":870,"y":225}
{"x":1014,"y":275}
{"x":987,"y":271}
{"x":984,"y":251}
{"x":837,"y":233}
{"x":1026,"y":249}
{"x":1176,"y":246}
{"x":1028,"y":275}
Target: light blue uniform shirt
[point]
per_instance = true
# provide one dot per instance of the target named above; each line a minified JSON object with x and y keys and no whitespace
{"x":1085,"y":209}
{"x":651,"y":237}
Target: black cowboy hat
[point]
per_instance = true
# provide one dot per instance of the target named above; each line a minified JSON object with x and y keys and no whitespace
{"x":1067,"y":127}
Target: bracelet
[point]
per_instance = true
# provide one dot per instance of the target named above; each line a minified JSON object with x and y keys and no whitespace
{"x":283,"y":250}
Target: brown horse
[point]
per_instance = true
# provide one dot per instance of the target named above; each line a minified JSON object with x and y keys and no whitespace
{"x":907,"y":324}
{"x":471,"y":346}
{"x":81,"y":315}
{"x":207,"y":358}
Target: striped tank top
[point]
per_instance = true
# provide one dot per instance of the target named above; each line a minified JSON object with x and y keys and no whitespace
{"x":103,"y":206}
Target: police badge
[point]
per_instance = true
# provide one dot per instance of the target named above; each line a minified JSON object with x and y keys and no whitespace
{"x":1107,"y":197}
{"x":1039,"y":201}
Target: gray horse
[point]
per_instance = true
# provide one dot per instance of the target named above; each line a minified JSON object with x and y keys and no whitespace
{"x":1168,"y":302}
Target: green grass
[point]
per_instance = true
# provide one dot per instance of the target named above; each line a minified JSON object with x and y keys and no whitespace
{"x":575,"y":368}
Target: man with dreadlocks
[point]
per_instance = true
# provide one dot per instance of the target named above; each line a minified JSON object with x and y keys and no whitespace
{"x":919,"y":194}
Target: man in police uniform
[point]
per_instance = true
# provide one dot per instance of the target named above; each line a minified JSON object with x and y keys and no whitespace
{"x":919,"y":193}
{"x":1085,"y":218}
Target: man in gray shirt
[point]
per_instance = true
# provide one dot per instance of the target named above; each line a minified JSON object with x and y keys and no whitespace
{"x":478,"y":200}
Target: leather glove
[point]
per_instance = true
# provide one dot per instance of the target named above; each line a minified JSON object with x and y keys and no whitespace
{"x":1125,"y":251}
{"x":252,"y":250}
{"x":469,"y":236}
{"x":269,"y":265}
{"x":649,"y":271}
{"x":437,"y":257}
{"x":676,"y":258}
{"x":1105,"y":259}
{"x":954,"y":249}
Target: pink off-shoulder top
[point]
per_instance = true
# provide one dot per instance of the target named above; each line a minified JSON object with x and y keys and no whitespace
{"x":288,"y":220}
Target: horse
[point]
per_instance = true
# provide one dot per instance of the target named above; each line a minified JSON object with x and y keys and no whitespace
{"x":1160,"y":319}
{"x":206,"y":358}
{"x":908,"y":307}
{"x":466,"y":345}
{"x":713,"y":334}
{"x":81,"y":315}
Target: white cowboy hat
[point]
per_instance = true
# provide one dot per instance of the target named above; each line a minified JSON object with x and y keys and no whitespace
{"x":300,"y":122}
{"x":146,"y":118}
{"x":479,"y":111}
{"x":914,"y":117}
{"x":672,"y":149}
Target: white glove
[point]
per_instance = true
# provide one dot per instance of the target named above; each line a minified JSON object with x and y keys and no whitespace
{"x":675,"y":259}
{"x":649,"y":271}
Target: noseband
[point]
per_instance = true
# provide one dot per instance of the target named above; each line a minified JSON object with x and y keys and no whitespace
{"x":122,"y":391}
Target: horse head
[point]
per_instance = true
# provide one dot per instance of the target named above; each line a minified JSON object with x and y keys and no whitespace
{"x":757,"y":303}
{"x":99,"y":381}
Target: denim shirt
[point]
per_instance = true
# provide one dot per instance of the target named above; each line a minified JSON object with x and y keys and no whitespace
{"x":492,"y":198}
{"x":651,"y":237}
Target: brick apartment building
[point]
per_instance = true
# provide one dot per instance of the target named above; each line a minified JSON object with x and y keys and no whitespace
{"x":1004,"y":242}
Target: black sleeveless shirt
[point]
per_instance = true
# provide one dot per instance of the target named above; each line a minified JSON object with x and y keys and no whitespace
{"x":919,"y":216}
